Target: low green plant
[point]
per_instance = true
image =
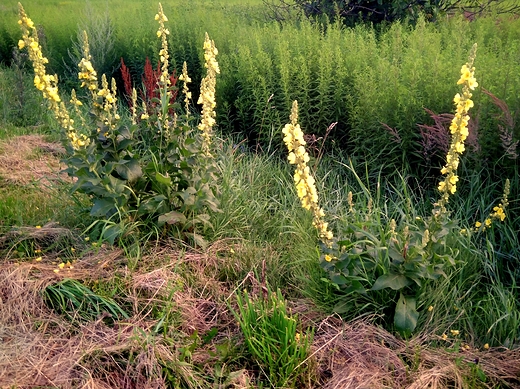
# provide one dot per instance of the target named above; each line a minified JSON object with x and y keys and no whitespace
{"x":155,"y":170}
{"x":78,"y":303}
{"x":273,"y":338}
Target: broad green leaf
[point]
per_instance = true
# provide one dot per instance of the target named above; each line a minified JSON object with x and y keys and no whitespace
{"x":102,"y":207}
{"x":356,"y":287}
{"x":172,"y":217}
{"x":406,"y":315}
{"x":338,"y":279}
{"x":391,"y":280}
{"x":395,"y":255}
{"x":129,"y":170}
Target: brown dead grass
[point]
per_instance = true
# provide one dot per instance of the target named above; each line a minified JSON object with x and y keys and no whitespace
{"x":30,"y":158}
{"x":39,"y":347}
{"x":360,"y":355}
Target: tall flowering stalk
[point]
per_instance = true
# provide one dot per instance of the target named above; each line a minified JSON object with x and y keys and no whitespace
{"x":305,"y":183}
{"x":164,"y":79}
{"x":459,"y":132}
{"x":207,"y":93}
{"x":46,"y":83}
{"x":185,"y":78}
{"x":87,"y":74}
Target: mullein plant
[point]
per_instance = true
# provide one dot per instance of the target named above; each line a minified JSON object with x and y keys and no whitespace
{"x":149,"y":169}
{"x":398,"y":261}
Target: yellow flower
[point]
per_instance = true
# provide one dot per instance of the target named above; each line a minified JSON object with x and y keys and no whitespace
{"x":328,"y":257}
{"x":38,"y":227}
{"x":444,"y":337}
{"x":486,"y":346}
{"x":455,"y":332}
{"x":478,"y":224}
{"x":430,"y":308}
{"x":38,"y":259}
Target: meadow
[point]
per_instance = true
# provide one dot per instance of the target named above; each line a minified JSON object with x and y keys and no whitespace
{"x":165,"y":240}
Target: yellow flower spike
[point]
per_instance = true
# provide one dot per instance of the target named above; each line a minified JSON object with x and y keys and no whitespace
{"x":47,"y":84}
{"x":187,"y":94}
{"x":305,"y":182}
{"x":459,"y":131}
{"x":207,"y":94}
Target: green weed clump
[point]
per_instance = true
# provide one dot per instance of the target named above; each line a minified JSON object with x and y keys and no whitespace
{"x":155,"y":171}
{"x":273,"y":338}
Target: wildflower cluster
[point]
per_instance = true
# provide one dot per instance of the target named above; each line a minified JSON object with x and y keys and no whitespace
{"x":207,"y":93}
{"x":459,"y":131}
{"x":498,"y":211}
{"x":46,"y":83}
{"x":305,"y":183}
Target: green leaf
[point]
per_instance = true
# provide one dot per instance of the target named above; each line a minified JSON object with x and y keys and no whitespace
{"x":199,"y":240}
{"x":102,"y":207}
{"x":338,"y":279}
{"x":395,"y":255}
{"x":406,"y":315}
{"x":111,"y":232}
{"x":172,"y":217}
{"x":129,"y":170}
{"x":166,"y":180}
{"x":391,"y":280}
{"x":356,"y":287}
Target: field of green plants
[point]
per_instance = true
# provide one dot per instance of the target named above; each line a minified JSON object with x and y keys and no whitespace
{"x":197,"y":195}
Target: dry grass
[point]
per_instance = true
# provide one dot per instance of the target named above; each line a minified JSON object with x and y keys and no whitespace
{"x":30,"y":158}
{"x":41,"y":348}
{"x":360,"y":355}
